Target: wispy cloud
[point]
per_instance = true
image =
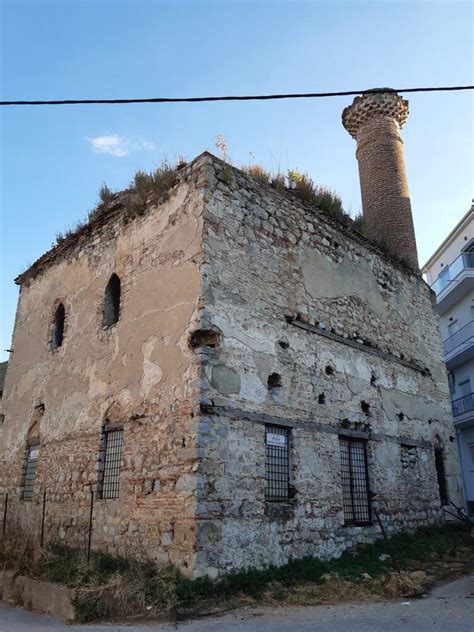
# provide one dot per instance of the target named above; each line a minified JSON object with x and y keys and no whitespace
{"x":118,"y":146}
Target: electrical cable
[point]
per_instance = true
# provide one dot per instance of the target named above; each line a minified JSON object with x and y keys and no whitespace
{"x":258,"y":97}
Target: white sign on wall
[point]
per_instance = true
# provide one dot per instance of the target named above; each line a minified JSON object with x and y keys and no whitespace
{"x":276,"y":440}
{"x":33,"y":454}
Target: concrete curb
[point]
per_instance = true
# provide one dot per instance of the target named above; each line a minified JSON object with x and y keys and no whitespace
{"x":34,"y":594}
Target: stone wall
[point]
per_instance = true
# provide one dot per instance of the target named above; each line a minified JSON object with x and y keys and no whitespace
{"x":240,"y":308}
{"x":355,"y":344}
{"x":139,"y":375}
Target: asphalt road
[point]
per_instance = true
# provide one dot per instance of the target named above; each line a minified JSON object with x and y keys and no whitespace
{"x":449,"y":608}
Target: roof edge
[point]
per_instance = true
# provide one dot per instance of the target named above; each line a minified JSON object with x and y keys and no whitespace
{"x":452,"y":235}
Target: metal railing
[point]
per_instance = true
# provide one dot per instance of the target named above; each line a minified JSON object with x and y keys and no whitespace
{"x":463,"y":404}
{"x":465,"y":261}
{"x":459,"y":336}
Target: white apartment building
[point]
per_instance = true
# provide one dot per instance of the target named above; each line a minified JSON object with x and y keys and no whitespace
{"x":450,"y":272}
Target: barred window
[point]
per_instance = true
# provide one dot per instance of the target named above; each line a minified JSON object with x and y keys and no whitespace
{"x":111,"y":461}
{"x":277,"y":463}
{"x":355,"y":481}
{"x":439,"y":462}
{"x":29,"y":472}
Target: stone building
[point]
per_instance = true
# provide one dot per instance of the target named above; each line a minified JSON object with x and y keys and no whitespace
{"x":233,"y":377}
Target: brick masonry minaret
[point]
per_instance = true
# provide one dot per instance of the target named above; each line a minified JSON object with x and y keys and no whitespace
{"x":374,"y":120}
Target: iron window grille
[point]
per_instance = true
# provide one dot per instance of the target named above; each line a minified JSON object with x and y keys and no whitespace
{"x":277,"y":463}
{"x":355,"y":481}
{"x":439,"y":462}
{"x":111,"y":462}
{"x":29,"y":472}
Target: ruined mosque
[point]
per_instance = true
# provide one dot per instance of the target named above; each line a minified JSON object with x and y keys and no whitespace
{"x":228,"y":377}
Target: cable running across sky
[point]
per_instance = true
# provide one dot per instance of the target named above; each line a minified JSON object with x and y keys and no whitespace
{"x":257,"y":97}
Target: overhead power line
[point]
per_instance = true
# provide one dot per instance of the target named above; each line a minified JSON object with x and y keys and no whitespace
{"x":254,"y":97}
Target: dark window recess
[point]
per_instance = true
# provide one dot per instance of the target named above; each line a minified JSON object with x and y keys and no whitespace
{"x":329,"y":370}
{"x":355,"y":481}
{"x":111,"y":313}
{"x":439,"y":461}
{"x":58,"y":327}
{"x":29,"y":472}
{"x":277,"y":463}
{"x":321,"y":398}
{"x":110,"y":462}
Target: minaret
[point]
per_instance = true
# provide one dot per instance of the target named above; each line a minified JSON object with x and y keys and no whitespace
{"x":374,"y":120}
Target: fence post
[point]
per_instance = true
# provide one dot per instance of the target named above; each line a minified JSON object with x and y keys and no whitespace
{"x":89,"y":539}
{"x":5,"y":509}
{"x":43,"y":519}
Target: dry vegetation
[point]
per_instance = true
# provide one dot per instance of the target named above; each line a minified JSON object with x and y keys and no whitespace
{"x":114,"y":587}
{"x":146,"y":187}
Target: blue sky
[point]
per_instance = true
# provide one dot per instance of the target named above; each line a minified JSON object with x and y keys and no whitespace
{"x":54,"y":160}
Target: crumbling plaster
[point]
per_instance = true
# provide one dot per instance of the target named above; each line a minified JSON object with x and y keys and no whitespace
{"x":224,"y":284}
{"x":270,"y":263}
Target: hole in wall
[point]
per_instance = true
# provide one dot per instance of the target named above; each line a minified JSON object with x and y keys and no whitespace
{"x":365,"y":407}
{"x":204,"y":338}
{"x":274,"y":381}
{"x":329,"y":370}
{"x":283,"y":344}
{"x":321,"y":398}
{"x":401,"y":416}
{"x":373,"y":379}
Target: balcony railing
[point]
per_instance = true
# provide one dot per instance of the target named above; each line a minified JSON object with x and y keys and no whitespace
{"x":463,"y":404}
{"x":465,"y":261}
{"x":459,"y":336}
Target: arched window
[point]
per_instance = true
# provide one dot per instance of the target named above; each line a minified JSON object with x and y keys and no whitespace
{"x":58,"y":327}
{"x":111,"y":311}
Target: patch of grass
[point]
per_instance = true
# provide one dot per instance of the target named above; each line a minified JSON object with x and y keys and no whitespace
{"x":372,"y":559}
{"x":303,"y":187}
{"x":157,"y":183}
{"x":110,"y":586}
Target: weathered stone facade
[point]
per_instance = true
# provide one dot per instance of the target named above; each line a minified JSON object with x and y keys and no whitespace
{"x":240,"y":308}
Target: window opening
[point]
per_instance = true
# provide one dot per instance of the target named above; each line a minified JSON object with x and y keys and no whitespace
{"x":111,"y":312}
{"x":29,"y":472}
{"x":111,"y":464}
{"x":355,"y":481}
{"x":439,"y":461}
{"x":277,"y":463}
{"x":58,"y":327}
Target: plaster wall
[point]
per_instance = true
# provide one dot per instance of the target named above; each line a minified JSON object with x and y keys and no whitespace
{"x":139,"y":375}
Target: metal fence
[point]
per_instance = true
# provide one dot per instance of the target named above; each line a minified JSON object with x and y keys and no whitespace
{"x":11,"y":514}
{"x":463,"y":404}
{"x":460,"y":336}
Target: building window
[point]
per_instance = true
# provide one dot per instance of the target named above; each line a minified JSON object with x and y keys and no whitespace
{"x":58,"y":327}
{"x":277,"y":463}
{"x":110,"y":463}
{"x":29,"y":472}
{"x":355,"y":481}
{"x":111,"y":310}
{"x":439,"y":462}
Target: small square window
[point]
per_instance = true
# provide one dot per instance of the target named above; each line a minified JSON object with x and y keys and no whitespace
{"x":111,"y":463}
